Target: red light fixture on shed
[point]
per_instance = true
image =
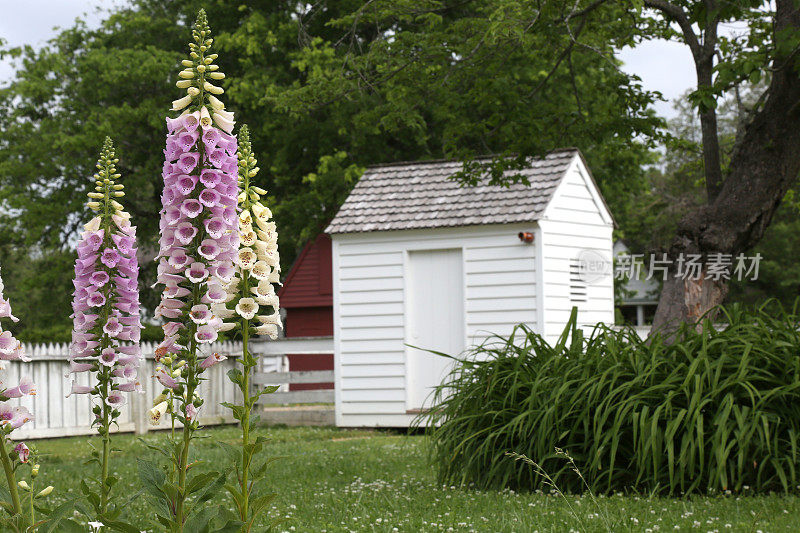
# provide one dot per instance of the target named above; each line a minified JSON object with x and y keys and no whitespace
{"x":526,"y":237}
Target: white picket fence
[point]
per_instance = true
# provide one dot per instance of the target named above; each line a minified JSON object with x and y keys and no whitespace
{"x":55,"y":415}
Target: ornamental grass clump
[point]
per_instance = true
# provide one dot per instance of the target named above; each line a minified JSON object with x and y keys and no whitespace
{"x":253,"y":305}
{"x":106,"y":324}
{"x":14,"y":456}
{"x":715,"y":410}
{"x":198,"y":247}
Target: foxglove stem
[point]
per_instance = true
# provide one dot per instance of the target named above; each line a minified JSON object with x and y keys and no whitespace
{"x":245,"y":388}
{"x":10,"y":477}
{"x":258,"y":268}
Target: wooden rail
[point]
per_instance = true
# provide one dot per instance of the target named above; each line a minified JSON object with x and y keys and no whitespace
{"x":55,"y":415}
{"x":295,"y":345}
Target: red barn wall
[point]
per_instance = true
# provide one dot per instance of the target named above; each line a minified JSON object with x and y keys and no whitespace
{"x":307,"y":297}
{"x":310,"y":281}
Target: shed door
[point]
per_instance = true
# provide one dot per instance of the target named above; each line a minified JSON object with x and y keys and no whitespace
{"x":435,"y":310}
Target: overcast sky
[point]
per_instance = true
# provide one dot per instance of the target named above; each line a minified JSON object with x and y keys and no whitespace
{"x":663,"y":66}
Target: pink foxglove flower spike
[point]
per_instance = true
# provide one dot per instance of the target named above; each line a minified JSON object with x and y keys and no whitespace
{"x":199,"y":239}
{"x":11,"y":416}
{"x":105,"y":316}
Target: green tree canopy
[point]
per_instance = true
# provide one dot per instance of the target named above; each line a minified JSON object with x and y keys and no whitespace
{"x":460,"y":80}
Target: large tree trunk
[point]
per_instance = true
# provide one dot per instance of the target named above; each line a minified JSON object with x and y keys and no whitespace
{"x":764,"y":165}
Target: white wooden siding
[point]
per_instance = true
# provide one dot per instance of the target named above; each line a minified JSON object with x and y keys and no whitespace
{"x":370,"y":327}
{"x":505,"y":282}
{"x":575,"y":220}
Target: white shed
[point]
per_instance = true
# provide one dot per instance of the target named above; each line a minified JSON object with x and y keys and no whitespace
{"x":419,"y":260}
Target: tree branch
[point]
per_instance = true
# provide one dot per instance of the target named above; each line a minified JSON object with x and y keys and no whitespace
{"x":677,"y":14}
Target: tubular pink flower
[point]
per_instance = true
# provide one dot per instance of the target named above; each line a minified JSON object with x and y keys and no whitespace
{"x":191,"y":208}
{"x":108,"y":357}
{"x":200,"y":314}
{"x":79,"y":367}
{"x":191,"y":121}
{"x":211,"y":136}
{"x":178,"y":258}
{"x":215,"y":227}
{"x":94,"y":240}
{"x":110,"y":257}
{"x":79,"y":389}
{"x":115,"y":399}
{"x":210,"y":178}
{"x":174,"y":291}
{"x":170,"y":280}
{"x":172,"y":215}
{"x":206,"y":334}
{"x":129,"y":360}
{"x":99,"y":278}
{"x":14,"y":417}
{"x":167,"y":381}
{"x":185,"y":141}
{"x":24,"y":388}
{"x":22,"y":451}
{"x":113,"y":327}
{"x":8,"y":344}
{"x":130,"y":386}
{"x":5,"y":310}
{"x":212,"y":360}
{"x":185,"y":232}
{"x":210,"y":198}
{"x":127,"y":372}
{"x":162,"y":312}
{"x":209,"y":249}
{"x":197,"y":272}
{"x":216,"y":294}
{"x":188,"y":161}
{"x":171,"y":328}
{"x":133,"y":349}
{"x":224,"y":272}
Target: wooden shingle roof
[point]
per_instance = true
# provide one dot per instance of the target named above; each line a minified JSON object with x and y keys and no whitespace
{"x":421,"y":195}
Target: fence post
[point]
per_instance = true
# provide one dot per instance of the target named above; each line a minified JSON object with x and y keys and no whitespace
{"x":139,"y":413}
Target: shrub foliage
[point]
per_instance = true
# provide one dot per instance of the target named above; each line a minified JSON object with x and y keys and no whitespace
{"x":715,"y":410}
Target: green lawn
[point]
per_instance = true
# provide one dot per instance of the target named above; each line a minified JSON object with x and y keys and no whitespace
{"x":355,"y":480}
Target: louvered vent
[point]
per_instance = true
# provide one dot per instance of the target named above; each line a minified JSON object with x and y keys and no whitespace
{"x":577,"y":287}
